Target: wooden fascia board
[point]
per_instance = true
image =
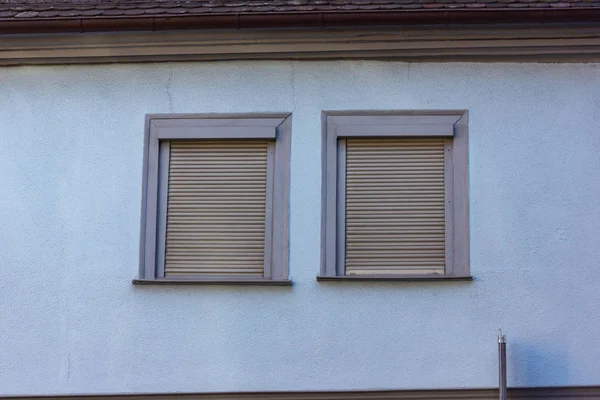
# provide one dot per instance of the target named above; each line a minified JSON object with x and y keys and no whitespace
{"x":561,"y":43}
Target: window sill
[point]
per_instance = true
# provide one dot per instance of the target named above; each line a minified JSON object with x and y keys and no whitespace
{"x":257,"y":282}
{"x":393,"y":278}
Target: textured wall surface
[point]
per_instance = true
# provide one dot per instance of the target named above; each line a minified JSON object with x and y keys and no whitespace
{"x":70,"y":188}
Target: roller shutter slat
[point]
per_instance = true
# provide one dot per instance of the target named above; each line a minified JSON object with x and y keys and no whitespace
{"x":216,"y":208}
{"x":395,"y":210}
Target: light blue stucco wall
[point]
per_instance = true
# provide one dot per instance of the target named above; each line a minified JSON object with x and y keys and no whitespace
{"x":70,"y":187}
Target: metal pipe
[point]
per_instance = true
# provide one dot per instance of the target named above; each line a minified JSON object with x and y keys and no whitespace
{"x":502,"y":364}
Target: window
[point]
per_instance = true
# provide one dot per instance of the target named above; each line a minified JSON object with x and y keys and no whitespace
{"x":395,"y":188}
{"x":215,"y":204}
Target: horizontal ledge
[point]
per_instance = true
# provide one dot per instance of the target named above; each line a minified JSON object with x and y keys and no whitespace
{"x":393,"y":278}
{"x":556,"y":392}
{"x":255,"y":282}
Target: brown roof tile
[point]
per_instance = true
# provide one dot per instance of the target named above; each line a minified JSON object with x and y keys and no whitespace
{"x":70,"y":13}
{"x":49,"y":14}
{"x":27,"y":14}
{"x":224,"y":6}
{"x":91,"y":13}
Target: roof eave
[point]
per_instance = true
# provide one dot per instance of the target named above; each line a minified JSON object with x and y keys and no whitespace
{"x":444,"y":17}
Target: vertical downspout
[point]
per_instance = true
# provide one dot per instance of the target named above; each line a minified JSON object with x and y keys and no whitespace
{"x":502,"y":365}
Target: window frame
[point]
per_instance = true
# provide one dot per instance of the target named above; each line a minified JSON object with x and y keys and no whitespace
{"x":451,"y":124}
{"x":159,"y":129}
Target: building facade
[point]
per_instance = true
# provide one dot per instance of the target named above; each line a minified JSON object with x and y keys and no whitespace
{"x":73,"y":184}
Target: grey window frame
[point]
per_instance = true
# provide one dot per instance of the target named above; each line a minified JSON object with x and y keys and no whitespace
{"x":452,"y":124}
{"x":159,"y":129}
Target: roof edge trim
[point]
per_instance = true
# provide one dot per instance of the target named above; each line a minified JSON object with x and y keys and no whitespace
{"x":524,"y":42}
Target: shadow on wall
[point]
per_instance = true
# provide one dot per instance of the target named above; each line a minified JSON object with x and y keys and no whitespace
{"x":536,"y":365}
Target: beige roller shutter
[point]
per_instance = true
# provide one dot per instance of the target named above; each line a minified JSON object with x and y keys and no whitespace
{"x":216,"y":208}
{"x":395,"y":206}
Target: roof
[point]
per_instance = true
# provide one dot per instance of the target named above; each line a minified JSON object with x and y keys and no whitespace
{"x":27,"y":16}
{"x":26,"y":9}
